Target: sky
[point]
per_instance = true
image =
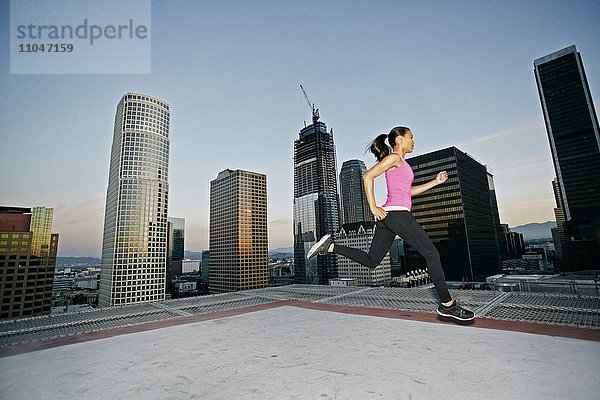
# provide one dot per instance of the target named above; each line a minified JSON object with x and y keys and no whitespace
{"x":458,"y":73}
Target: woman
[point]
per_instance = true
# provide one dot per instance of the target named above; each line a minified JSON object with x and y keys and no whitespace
{"x":394,"y":217}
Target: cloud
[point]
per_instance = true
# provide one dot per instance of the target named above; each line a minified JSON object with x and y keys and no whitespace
{"x":544,"y":203}
{"x":533,"y":164}
{"x":59,"y":207}
{"x":80,"y":227}
{"x":280,"y":233}
{"x":196,"y":236}
{"x":281,"y":222}
{"x":528,"y":127}
{"x":67,"y":215}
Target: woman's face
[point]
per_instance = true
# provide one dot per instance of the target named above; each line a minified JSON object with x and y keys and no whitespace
{"x":406,"y":142}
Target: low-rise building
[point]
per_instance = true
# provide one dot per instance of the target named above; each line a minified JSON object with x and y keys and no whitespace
{"x":359,"y":235}
{"x":343,"y":282}
{"x":188,"y":266}
{"x":585,"y":283}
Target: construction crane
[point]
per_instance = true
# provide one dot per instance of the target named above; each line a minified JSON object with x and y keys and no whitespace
{"x":311,"y":105}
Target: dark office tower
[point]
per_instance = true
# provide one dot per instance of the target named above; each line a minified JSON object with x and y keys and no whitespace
{"x":175,"y":249}
{"x":205,"y":266}
{"x":355,"y":207}
{"x":559,"y":215}
{"x":315,"y":202}
{"x":238,"y":231}
{"x":27,"y":274}
{"x":572,"y":127}
{"x":397,"y":262}
{"x":458,"y":215}
{"x":515,"y":245}
{"x":176,"y":238}
{"x":557,"y":243}
{"x":134,"y":246}
{"x":496,"y":215}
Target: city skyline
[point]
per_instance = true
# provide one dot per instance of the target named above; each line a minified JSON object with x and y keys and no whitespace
{"x":458,"y":76}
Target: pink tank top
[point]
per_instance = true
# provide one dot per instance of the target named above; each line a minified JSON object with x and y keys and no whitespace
{"x":399,"y":181}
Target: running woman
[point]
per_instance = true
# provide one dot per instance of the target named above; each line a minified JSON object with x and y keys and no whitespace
{"x":394,"y":217}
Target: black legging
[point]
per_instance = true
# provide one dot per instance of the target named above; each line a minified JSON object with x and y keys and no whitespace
{"x":403,"y":224}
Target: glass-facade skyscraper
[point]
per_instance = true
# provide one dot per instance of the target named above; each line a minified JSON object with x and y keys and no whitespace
{"x":496,"y":215}
{"x":572,"y":127}
{"x":205,"y":265}
{"x":459,"y":216}
{"x":26,"y":276}
{"x":316,"y":208}
{"x":238,"y":232}
{"x":41,"y":226}
{"x":176,"y":238}
{"x":134,"y":246}
{"x":397,"y":259}
{"x":559,"y":214}
{"x":355,"y":207}
{"x":175,"y":250}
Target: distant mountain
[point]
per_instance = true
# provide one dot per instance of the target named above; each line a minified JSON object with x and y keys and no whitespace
{"x":78,"y":261}
{"x":192,"y":255}
{"x":535,"y":230}
{"x":283,"y":250}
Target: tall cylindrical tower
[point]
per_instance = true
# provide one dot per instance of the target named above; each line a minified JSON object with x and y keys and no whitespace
{"x":134,"y":247}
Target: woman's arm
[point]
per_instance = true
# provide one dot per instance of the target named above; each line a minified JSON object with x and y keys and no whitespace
{"x":440,"y":178}
{"x":390,"y":161}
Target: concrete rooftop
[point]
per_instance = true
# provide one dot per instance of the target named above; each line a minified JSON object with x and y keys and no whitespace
{"x":310,"y":342}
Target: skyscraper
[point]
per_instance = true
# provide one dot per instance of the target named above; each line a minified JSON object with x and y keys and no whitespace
{"x":315,"y":202}
{"x":458,"y":215}
{"x":496,"y":215}
{"x":355,"y":207}
{"x":175,"y":250}
{"x":515,"y":245}
{"x":205,"y":265}
{"x":397,"y":260}
{"x":41,"y":226}
{"x":572,"y":127}
{"x":134,"y":246}
{"x":176,"y":238}
{"x":26,"y":274}
{"x":238,"y":231}
{"x":559,"y":215}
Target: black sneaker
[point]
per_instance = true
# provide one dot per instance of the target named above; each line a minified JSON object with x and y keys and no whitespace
{"x":321,"y":246}
{"x":455,"y":311}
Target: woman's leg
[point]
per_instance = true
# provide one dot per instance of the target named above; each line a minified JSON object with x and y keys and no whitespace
{"x":404,"y":225}
{"x":382,"y":240}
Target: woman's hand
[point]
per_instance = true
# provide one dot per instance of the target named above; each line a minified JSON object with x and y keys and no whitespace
{"x":379,"y":213}
{"x":441,"y":177}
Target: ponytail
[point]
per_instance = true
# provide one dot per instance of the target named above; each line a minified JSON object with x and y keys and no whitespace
{"x":382,"y":150}
{"x":379,"y":148}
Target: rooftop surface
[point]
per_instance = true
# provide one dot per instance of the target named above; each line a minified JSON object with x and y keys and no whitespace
{"x":310,"y":342}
